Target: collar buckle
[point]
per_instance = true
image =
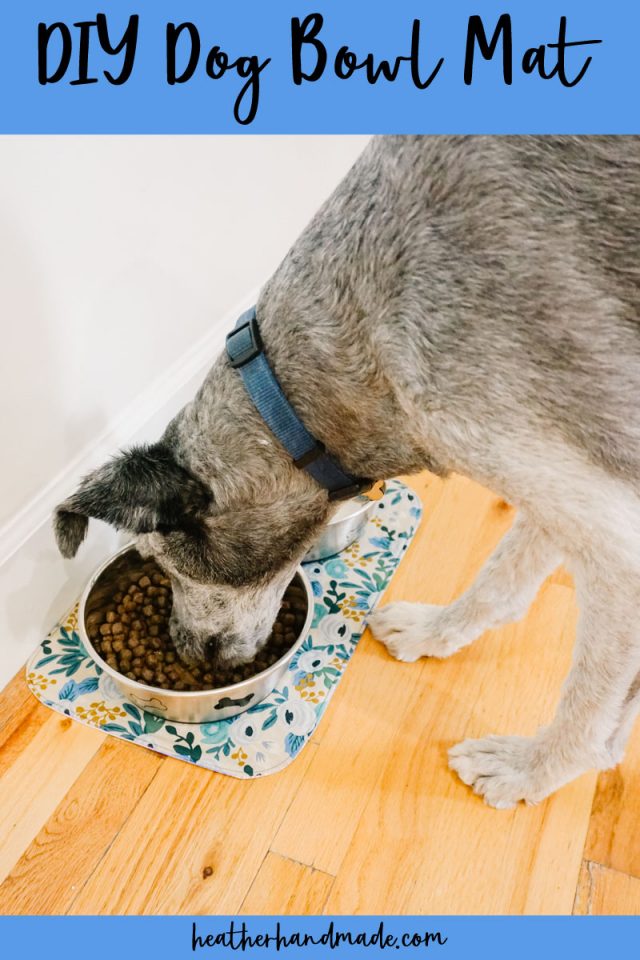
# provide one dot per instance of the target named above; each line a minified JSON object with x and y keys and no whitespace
{"x":340,"y":493}
{"x":244,"y":343}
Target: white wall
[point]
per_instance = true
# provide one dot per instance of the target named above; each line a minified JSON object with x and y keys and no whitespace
{"x":122,"y":262}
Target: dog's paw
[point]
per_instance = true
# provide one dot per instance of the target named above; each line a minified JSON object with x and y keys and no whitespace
{"x":411,"y":630}
{"x":500,"y":769}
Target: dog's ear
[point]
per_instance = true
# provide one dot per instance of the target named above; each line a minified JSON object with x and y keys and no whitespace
{"x":141,"y":490}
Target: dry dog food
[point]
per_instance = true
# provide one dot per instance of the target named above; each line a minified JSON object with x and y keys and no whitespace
{"x":131,"y":633}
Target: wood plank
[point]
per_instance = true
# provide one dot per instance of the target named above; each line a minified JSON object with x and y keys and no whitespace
{"x":604,"y":892}
{"x":461,"y":525}
{"x":615,"y":819}
{"x":24,"y":733}
{"x":425,"y":843}
{"x":79,"y":831}
{"x":193,"y":844}
{"x":283,"y":886}
{"x":16,"y":702}
{"x":37,"y":780}
{"x":21,"y":716}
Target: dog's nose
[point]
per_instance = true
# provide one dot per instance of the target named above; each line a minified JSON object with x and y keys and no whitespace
{"x":211,"y":648}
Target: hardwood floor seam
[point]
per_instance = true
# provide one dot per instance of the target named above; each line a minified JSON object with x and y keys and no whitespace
{"x":247,"y":892}
{"x":299,"y":863}
{"x":631,"y":874}
{"x":577,"y":903}
{"x":329,"y":891}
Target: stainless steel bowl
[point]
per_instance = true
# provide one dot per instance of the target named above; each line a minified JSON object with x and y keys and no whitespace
{"x":199,"y":706}
{"x":347,"y":524}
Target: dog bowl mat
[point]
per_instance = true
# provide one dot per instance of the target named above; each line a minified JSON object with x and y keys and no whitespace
{"x":269,"y":735}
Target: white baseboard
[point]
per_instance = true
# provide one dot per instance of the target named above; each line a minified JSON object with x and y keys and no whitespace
{"x":36,"y":585}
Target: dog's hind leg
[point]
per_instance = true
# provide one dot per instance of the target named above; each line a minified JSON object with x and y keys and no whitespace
{"x":502,"y":593}
{"x":591,"y":715}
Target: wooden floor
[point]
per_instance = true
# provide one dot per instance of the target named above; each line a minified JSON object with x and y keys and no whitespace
{"x":368,"y":819}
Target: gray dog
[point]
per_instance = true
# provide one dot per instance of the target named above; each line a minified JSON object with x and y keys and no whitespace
{"x":464,"y":304}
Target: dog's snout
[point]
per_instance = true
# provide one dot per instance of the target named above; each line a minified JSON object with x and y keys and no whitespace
{"x":219,"y":627}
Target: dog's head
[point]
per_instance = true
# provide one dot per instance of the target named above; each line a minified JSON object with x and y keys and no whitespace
{"x":228,"y":568}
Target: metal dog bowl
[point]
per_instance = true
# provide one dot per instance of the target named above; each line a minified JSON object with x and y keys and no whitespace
{"x":347,"y":523}
{"x":198,"y":706}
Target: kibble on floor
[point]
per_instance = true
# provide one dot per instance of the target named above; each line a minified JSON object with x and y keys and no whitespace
{"x":131,"y":633}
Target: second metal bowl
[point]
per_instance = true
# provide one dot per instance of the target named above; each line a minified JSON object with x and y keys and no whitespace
{"x":346,"y":524}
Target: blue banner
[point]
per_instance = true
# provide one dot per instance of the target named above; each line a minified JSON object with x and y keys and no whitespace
{"x":316,"y":938}
{"x":319,"y":66}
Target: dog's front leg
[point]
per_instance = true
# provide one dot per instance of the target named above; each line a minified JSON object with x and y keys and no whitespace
{"x":502,"y":593}
{"x":586,"y":731}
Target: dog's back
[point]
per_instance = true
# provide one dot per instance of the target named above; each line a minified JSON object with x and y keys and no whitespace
{"x":591,"y":186}
{"x":549,"y":233}
{"x":500,"y":277}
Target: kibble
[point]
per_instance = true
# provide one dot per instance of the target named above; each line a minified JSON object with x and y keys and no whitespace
{"x":131,"y":633}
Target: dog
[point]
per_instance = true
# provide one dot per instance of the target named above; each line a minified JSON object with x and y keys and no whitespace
{"x":459,"y":304}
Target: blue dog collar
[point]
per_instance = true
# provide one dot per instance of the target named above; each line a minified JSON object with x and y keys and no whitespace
{"x":246,"y":354}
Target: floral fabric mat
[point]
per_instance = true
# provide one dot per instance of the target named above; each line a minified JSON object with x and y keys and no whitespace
{"x":270,"y":734}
